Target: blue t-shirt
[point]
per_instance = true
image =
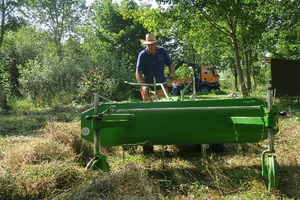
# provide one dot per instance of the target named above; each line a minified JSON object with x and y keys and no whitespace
{"x":153,"y":66}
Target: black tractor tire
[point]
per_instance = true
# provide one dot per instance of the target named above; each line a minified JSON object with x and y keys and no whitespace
{"x":204,"y":89}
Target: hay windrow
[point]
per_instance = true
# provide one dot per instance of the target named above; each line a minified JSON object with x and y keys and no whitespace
{"x":39,"y":166}
{"x":51,"y":165}
{"x":126,"y":181}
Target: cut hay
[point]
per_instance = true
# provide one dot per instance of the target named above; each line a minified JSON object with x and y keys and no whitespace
{"x":127,"y":181}
{"x":51,"y":165}
{"x":36,"y":167}
{"x":68,"y":134}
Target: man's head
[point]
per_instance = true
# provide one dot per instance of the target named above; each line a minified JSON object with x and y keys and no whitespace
{"x":150,"y":39}
{"x":150,"y":43}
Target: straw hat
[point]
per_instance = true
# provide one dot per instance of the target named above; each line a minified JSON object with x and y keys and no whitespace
{"x":150,"y":39}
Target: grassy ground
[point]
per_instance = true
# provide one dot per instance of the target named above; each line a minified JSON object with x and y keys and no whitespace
{"x":43,"y":157}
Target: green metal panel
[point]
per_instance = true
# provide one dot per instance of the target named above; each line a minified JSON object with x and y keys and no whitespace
{"x":179,"y":122}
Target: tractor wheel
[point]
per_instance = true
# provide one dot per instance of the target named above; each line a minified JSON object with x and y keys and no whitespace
{"x":204,"y":89}
{"x":272,"y":173}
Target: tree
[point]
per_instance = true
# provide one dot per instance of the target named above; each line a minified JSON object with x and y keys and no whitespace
{"x":116,"y":31}
{"x":60,"y":18}
{"x":225,"y":17}
{"x":282,"y":40}
{"x":10,"y":20}
{"x":21,"y":46}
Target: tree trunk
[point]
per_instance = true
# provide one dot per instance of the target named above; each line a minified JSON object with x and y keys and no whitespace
{"x":59,"y":51}
{"x":238,"y":64}
{"x":236,"y":82}
{"x":3,"y":102}
{"x":2,"y":28}
{"x":252,"y":86}
{"x":253,"y":76}
{"x":248,"y":68}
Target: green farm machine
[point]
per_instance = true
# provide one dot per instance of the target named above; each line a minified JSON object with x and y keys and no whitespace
{"x":246,"y":120}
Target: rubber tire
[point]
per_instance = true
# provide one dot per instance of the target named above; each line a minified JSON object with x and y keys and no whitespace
{"x":204,"y":89}
{"x":148,"y":149}
{"x":272,"y":173}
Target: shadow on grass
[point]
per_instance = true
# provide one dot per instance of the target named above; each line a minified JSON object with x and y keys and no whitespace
{"x":289,"y":180}
{"x":225,"y":181}
{"x":206,"y":176}
{"x":242,"y":178}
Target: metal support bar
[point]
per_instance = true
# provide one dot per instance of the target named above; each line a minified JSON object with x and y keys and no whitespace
{"x":186,"y":108}
{"x":203,"y":151}
{"x":117,"y":115}
{"x":97,"y":132}
{"x":163,"y":156}
{"x":165,"y":92}
{"x":154,"y":85}
{"x":154,"y":81}
{"x":181,"y":95}
{"x":194,"y":88}
{"x":270,"y":129}
{"x":270,"y":132}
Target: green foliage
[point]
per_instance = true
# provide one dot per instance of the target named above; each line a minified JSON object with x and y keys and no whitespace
{"x":117,"y":33}
{"x":11,"y":17}
{"x":282,"y":37}
{"x":212,"y":30}
{"x":199,"y":32}
{"x":21,"y":104}
{"x":41,"y":82}
{"x":19,"y":47}
{"x":183,"y":72}
{"x":107,"y":79}
{"x":96,"y":81}
{"x":61,"y":19}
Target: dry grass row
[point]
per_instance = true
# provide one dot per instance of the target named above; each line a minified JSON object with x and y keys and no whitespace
{"x":51,"y":165}
{"x":35,"y":167}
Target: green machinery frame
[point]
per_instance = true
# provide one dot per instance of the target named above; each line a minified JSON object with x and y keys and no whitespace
{"x":247,"y":120}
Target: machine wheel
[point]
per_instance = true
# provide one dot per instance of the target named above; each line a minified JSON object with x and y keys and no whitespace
{"x":217,"y":148}
{"x":148,"y":149}
{"x":98,"y":162}
{"x":204,"y":89}
{"x":272,"y":173}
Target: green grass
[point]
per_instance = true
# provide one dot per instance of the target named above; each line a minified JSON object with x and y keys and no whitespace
{"x":43,"y":157}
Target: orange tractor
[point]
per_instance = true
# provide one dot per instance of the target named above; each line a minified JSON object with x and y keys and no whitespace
{"x":206,"y":78}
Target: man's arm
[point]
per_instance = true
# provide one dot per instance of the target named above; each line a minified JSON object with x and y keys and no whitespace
{"x":139,"y":76}
{"x":140,"y":79}
{"x":172,"y":71}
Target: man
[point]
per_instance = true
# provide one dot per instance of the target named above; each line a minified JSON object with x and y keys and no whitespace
{"x":151,"y":63}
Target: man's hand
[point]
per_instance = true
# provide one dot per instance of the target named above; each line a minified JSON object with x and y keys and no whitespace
{"x":172,"y":71}
{"x":172,"y":76}
{"x":145,"y":89}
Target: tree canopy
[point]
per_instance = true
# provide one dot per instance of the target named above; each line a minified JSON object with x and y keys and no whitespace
{"x":55,"y":35}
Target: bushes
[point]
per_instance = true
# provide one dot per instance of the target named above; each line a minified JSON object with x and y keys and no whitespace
{"x":96,"y":80}
{"x":41,"y":82}
{"x":52,"y":82}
